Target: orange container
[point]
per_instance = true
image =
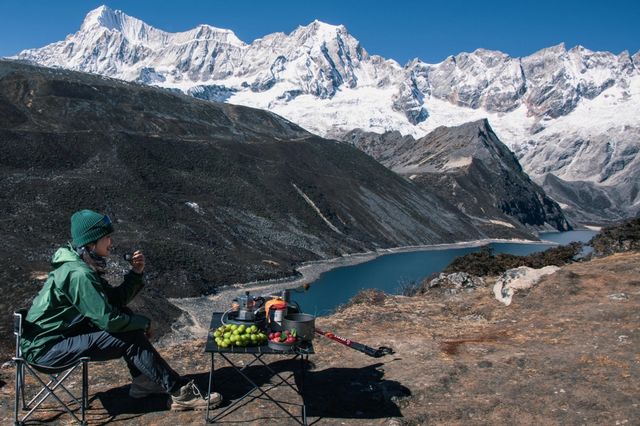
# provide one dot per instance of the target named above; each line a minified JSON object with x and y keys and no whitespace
{"x":275,"y":311}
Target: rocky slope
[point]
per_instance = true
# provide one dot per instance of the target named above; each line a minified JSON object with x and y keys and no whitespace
{"x":473,"y":170}
{"x":565,"y":113}
{"x":587,"y":202}
{"x":564,"y":352}
{"x":213,"y":193}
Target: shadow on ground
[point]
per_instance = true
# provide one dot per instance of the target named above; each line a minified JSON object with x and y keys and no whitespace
{"x":339,"y":393}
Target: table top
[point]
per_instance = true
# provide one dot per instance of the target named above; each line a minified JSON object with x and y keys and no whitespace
{"x":211,"y":346}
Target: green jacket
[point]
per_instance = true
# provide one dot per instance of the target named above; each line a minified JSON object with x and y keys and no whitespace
{"x":73,"y":296}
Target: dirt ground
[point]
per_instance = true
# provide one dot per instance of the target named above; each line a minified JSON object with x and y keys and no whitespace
{"x":564,"y":352}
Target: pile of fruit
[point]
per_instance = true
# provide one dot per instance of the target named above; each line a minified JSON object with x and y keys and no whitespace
{"x":238,"y":335}
{"x":286,"y":336}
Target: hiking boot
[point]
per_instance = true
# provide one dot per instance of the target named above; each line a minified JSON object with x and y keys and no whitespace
{"x":188,"y":397}
{"x":142,"y":386}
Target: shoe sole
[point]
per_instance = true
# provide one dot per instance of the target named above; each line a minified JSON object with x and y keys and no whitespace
{"x":179,"y":407}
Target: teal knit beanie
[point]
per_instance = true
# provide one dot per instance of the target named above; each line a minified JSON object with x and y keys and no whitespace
{"x":88,"y":226}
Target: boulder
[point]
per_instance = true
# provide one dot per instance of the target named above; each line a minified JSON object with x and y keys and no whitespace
{"x":516,"y":279}
{"x":456,"y":281}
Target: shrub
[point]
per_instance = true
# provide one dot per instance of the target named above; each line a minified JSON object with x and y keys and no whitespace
{"x":486,"y":263}
{"x":617,"y":238}
{"x":370,"y":296}
{"x":409,"y":288}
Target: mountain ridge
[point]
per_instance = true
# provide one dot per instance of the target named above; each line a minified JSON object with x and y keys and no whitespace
{"x":473,"y":170}
{"x":563,"y":112}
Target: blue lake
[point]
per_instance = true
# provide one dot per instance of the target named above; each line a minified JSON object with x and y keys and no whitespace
{"x":391,"y":271}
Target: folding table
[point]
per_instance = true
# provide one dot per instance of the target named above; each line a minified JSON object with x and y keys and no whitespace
{"x":301,"y":352}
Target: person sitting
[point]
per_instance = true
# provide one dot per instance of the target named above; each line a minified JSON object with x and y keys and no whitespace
{"x":78,"y":314}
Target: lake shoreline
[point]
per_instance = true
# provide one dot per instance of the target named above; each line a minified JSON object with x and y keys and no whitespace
{"x":194,"y":322}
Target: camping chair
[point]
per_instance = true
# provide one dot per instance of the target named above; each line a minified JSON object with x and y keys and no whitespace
{"x":50,"y":378}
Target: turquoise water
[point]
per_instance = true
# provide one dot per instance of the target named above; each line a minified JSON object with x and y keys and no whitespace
{"x":390,"y":272}
{"x":568,"y":237}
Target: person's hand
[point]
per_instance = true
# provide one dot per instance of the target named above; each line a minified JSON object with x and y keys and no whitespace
{"x":148,"y":332}
{"x":137,"y":262}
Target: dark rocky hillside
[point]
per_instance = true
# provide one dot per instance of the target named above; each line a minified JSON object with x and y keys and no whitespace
{"x":213,"y":193}
{"x":472,"y":169}
{"x":587,"y":203}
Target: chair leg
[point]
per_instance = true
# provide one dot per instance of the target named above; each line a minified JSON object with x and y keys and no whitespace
{"x":22,"y":389}
{"x":19,"y":392}
{"x":53,"y":381}
{"x":55,"y":384}
{"x":50,"y":391}
{"x":63,"y":388}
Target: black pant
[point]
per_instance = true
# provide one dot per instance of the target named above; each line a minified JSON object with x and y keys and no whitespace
{"x":133,"y":346}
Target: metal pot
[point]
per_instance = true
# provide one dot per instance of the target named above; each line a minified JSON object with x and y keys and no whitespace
{"x":304,"y":324}
{"x":246,"y":307}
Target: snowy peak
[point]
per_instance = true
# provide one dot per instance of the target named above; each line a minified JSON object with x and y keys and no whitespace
{"x":318,"y":31}
{"x":558,"y":80}
{"x":558,"y":49}
{"x":324,"y":60}
{"x":549,"y":83}
{"x":481,"y":79}
{"x":136,"y":31}
{"x":334,"y":56}
{"x":316,"y":59}
{"x":108,"y":18}
{"x":207,"y":32}
{"x":103,"y":17}
{"x":214,"y":37}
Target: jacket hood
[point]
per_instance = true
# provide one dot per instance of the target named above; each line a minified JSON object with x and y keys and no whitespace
{"x":63,"y":255}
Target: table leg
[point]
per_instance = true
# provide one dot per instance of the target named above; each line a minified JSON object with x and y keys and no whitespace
{"x":262,"y":392}
{"x":209,"y":389}
{"x":303,"y":362}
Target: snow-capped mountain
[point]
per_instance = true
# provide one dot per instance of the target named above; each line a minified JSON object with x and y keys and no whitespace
{"x":572,"y":113}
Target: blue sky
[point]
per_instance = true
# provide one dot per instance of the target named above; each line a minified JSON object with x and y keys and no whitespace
{"x":399,"y":29}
